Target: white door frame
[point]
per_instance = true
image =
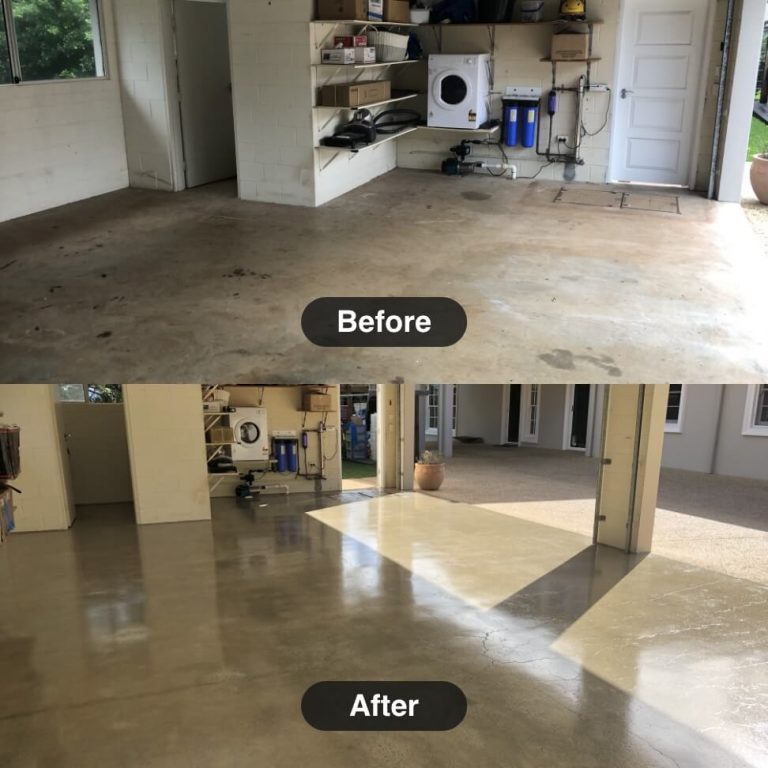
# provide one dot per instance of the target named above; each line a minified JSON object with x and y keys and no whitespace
{"x":744,"y":66}
{"x":709,"y":27}
{"x":570,"y":392}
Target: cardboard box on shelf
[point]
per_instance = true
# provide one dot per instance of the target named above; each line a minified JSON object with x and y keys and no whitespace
{"x":221,"y":435}
{"x":350,"y":10}
{"x":350,"y":41}
{"x":318,"y":402}
{"x":356,"y":94}
{"x":570,"y":47}
{"x":397,"y":10}
{"x":376,"y":10}
{"x":338,"y":56}
{"x":365,"y":55}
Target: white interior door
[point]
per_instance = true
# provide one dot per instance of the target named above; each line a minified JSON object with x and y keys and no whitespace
{"x":657,"y":92}
{"x":207,"y":121}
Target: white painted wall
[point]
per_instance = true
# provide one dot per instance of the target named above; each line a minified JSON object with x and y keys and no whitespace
{"x":166,"y":445}
{"x":62,"y":141}
{"x":98,"y":452}
{"x":272,"y":97}
{"x":148,"y":90}
{"x":44,"y":504}
{"x":692,"y":447}
{"x":739,"y":455}
{"x":479,"y":411}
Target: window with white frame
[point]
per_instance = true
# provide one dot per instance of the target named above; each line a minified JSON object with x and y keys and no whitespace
{"x":756,"y":410}
{"x":675,"y":408}
{"x":43,"y":40}
{"x":433,"y":409}
{"x":531,"y":407}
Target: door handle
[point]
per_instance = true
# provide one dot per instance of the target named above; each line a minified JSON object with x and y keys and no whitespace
{"x":625,"y":92}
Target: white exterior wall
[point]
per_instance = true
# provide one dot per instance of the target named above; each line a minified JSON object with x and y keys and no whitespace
{"x":692,"y":447}
{"x":62,"y":141}
{"x":148,"y":92}
{"x":272,"y":97}
{"x":738,"y":454}
{"x":479,"y":411}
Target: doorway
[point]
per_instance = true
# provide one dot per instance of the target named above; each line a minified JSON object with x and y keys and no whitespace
{"x":513,"y":419}
{"x":658,"y":88}
{"x":578,"y":410}
{"x":359,"y":421}
{"x":205,"y":90}
{"x":93,"y":420}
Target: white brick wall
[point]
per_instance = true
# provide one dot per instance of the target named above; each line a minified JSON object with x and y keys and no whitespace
{"x":272,"y":92}
{"x":61,"y":142}
{"x":142,"y":27}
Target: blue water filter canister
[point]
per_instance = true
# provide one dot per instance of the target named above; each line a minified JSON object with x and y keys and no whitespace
{"x":511,"y":123}
{"x":292,"y":452}
{"x":530,"y":118}
{"x":282,"y":456}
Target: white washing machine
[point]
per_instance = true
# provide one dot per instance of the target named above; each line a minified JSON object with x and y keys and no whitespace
{"x":459,"y":90}
{"x":251,"y":434}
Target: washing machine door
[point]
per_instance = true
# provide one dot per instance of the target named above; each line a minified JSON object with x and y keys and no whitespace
{"x":452,"y":91}
{"x":247,"y":432}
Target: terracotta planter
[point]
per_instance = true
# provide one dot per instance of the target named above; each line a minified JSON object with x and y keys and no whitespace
{"x":758,"y":175}
{"x":429,"y":477}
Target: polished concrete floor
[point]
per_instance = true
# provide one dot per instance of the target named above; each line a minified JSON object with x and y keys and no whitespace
{"x":198,"y":286}
{"x":710,"y":521}
{"x":192,"y":644}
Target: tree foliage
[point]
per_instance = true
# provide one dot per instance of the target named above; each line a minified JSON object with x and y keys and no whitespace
{"x":54,"y":37}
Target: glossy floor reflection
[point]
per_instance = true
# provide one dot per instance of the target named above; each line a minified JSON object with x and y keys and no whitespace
{"x":191,"y":645}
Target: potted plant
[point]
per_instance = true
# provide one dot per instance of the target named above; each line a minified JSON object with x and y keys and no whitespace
{"x":758,"y":175}
{"x":430,"y":471}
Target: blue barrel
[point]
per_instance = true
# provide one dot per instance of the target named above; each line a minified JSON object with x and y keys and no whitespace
{"x":282,"y":456}
{"x":530,"y":118}
{"x":292,"y":450}
{"x":511,"y":123}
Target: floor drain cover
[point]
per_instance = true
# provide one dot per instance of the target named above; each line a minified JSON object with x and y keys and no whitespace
{"x":599,"y":198}
{"x":604,"y":198}
{"x":660,"y":203}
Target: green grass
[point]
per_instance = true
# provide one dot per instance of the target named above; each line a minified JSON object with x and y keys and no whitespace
{"x":352,"y":470}
{"x":758,"y":138}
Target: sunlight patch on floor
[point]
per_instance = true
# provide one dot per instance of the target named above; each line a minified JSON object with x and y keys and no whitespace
{"x":475,"y":554}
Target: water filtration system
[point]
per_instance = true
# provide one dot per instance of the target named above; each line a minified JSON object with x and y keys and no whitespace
{"x":521,"y":115}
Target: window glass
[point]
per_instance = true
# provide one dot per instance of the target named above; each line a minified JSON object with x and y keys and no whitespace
{"x":97,"y":393}
{"x":5,"y":57}
{"x":105,"y":393}
{"x":674,"y":402}
{"x":72,"y":393}
{"x":57,"y":39}
{"x":762,"y":406}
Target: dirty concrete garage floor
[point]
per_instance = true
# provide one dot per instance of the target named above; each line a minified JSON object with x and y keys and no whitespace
{"x":199,"y":286}
{"x":191,"y":644}
{"x":710,"y":521}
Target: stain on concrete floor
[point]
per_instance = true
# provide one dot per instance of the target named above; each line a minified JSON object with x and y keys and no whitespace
{"x":669,"y":298}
